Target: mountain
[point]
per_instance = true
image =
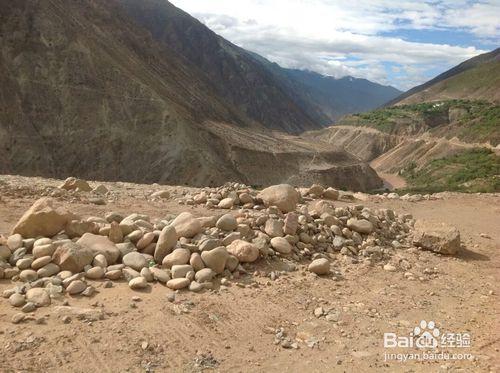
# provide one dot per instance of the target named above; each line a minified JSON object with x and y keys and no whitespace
{"x":280,"y":98}
{"x":338,"y":97}
{"x":237,"y":77}
{"x":86,"y":90}
{"x":442,"y":135}
{"x":476,"y":78}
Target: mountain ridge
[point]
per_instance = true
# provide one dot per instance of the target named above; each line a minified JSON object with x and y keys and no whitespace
{"x":476,"y":78}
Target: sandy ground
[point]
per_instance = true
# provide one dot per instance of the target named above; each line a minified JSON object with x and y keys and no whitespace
{"x":234,"y":330}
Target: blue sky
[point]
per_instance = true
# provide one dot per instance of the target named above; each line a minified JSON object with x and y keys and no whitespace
{"x":401,"y":43}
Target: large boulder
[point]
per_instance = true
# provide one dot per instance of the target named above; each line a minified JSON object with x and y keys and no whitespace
{"x":72,"y":257}
{"x":244,"y":251}
{"x":100,"y":245}
{"x":186,"y":225}
{"x":283,"y":196}
{"x":44,"y":218}
{"x":438,"y":237}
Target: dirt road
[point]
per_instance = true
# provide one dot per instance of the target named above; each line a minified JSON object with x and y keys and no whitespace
{"x":235,"y":329}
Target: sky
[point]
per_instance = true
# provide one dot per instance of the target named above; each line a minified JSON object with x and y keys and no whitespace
{"x":401,"y":43}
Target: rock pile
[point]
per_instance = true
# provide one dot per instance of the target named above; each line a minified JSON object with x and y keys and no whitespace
{"x":52,"y":251}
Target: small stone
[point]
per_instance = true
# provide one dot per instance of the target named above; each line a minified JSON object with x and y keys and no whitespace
{"x":48,"y":270}
{"x":138,"y":283}
{"x":281,"y":245}
{"x":17,"y":300}
{"x":114,"y":275}
{"x":283,"y":196}
{"x":166,"y":242}
{"x":227,"y":222}
{"x":196,"y":262}
{"x":178,"y":283}
{"x":204,"y":275}
{"x":14,"y":242}
{"x":318,"y":311}
{"x":196,"y":287}
{"x":226,"y":203}
{"x":41,"y":262}
{"x":76,"y":287}
{"x":28,"y":275}
{"x":160,"y":275}
{"x":89,"y":291}
{"x":38,"y":296}
{"x":100,"y":261}
{"x":147,"y":274}
{"x":215,"y":259}
{"x":182,"y":270}
{"x":360,"y":225}
{"x":186,"y":225}
{"x":390,"y":268}
{"x":177,"y":257}
{"x":244,"y":251}
{"x":17,"y":318}
{"x":135,"y":260}
{"x":320,"y":266}
{"x":29,"y":307}
{"x":95,"y":273}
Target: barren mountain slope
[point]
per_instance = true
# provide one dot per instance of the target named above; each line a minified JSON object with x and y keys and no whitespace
{"x":235,"y":74}
{"x":476,"y":78}
{"x":85,"y":91}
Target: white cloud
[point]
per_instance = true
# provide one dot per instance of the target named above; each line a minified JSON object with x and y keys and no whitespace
{"x":346,"y":37}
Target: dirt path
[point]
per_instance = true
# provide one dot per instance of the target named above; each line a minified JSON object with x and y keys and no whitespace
{"x":234,"y":330}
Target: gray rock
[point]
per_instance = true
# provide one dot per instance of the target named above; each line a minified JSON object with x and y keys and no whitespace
{"x":360,"y":225}
{"x":227,"y":222}
{"x":204,"y":275}
{"x":179,"y":271}
{"x":215,"y":259}
{"x":281,"y":245}
{"x":135,"y":261}
{"x":166,"y":243}
{"x":76,"y":287}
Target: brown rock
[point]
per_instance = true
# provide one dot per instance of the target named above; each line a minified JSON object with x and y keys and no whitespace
{"x":44,"y":218}
{"x":186,"y":225}
{"x":100,"y":245}
{"x":76,"y":228}
{"x":72,"y":183}
{"x":166,"y":242}
{"x":440,"y":238}
{"x":244,"y":251}
{"x":283,"y":196}
{"x":72,"y":257}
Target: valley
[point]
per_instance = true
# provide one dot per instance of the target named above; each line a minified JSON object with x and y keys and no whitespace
{"x":173,"y":201}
